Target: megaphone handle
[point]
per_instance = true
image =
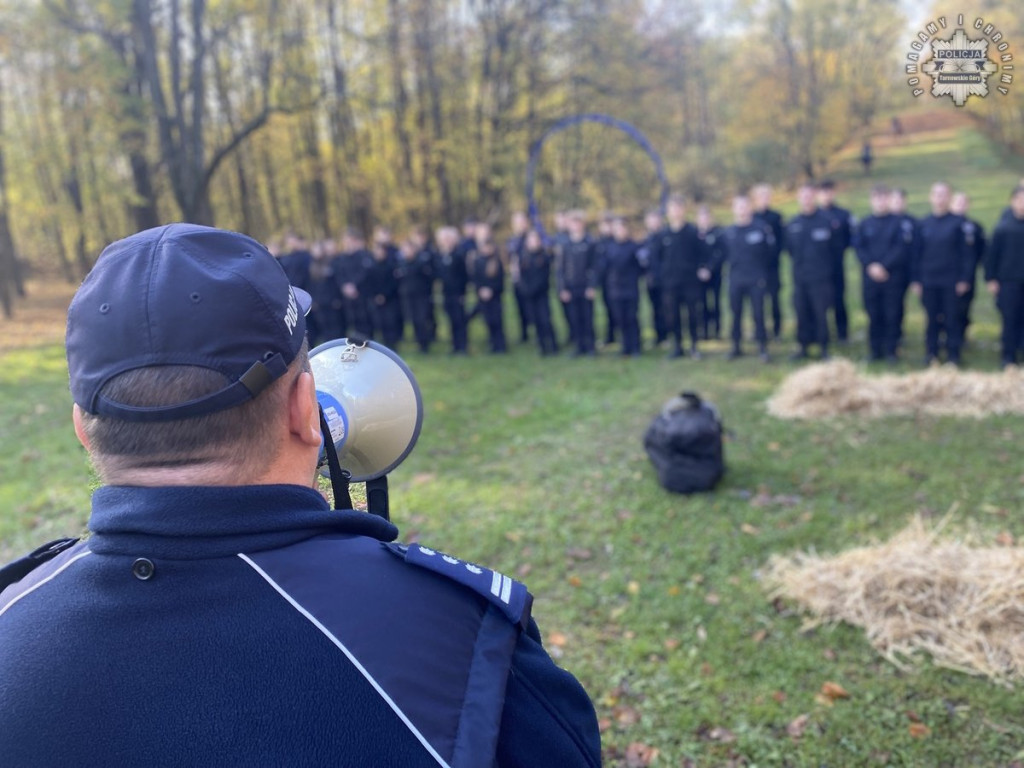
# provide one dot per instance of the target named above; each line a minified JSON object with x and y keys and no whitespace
{"x":339,"y":476}
{"x":377,"y":497}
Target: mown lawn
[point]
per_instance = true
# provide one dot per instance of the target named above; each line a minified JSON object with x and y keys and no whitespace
{"x":535,"y":467}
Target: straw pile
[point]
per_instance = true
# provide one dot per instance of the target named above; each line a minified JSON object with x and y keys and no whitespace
{"x":961,"y":603}
{"x":837,"y":387}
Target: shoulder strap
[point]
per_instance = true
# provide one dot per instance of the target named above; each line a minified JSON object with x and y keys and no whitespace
{"x":22,"y":567}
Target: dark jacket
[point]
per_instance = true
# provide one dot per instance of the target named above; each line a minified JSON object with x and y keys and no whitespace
{"x":487,"y":271}
{"x":842,"y":230}
{"x":296,"y":265}
{"x":748,"y":250}
{"x":381,"y":281}
{"x":1004,"y":260}
{"x":712,"y":248}
{"x":809,"y":242}
{"x":774,"y":220}
{"x":351,"y":267}
{"x":680,"y":256}
{"x":622,"y":270}
{"x":535,"y":272}
{"x":942,"y":258}
{"x":450,"y":269}
{"x":255,"y":626}
{"x":416,"y":275}
{"x":879,"y":239}
{"x":576,"y":265}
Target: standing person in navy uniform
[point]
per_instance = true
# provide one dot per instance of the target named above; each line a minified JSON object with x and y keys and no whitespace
{"x":1004,"y":276}
{"x":910,"y":242}
{"x":535,"y":283}
{"x":842,"y":236}
{"x":576,"y":273}
{"x":450,"y":268}
{"x":710,"y":236}
{"x":220,"y":613}
{"x":381,"y":289}
{"x":681,"y":287}
{"x":974,"y":239}
{"x":513,"y":250}
{"x":558,"y":241}
{"x":650,"y":256}
{"x":349,"y":270}
{"x":941,"y":275}
{"x":487,"y":274}
{"x":762,"y":199}
{"x":748,"y":247}
{"x":622,"y":283}
{"x":809,"y":242}
{"x":415,"y":273}
{"x":878,"y":242}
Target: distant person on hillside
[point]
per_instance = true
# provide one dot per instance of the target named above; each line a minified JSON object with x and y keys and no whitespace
{"x":761,"y":196}
{"x":941,"y":275}
{"x":1004,"y":276}
{"x":897,"y":127}
{"x":867,"y":157}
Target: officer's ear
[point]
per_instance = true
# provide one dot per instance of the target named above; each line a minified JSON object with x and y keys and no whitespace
{"x":80,"y":433}
{"x":303,"y":410}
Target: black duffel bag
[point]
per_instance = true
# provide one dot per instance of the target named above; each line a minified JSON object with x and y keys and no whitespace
{"x":684,"y":442}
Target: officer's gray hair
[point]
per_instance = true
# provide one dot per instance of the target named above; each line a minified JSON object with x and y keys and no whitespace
{"x":239,"y":438}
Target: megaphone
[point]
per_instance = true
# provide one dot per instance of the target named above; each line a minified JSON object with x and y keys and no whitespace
{"x":372,"y":408}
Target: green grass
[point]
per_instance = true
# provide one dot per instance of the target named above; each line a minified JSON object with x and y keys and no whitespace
{"x":536,"y":467}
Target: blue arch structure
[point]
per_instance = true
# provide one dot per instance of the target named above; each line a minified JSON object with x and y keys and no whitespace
{"x":592,"y":117}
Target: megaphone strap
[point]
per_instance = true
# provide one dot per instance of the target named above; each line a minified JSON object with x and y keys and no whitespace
{"x":339,"y":476}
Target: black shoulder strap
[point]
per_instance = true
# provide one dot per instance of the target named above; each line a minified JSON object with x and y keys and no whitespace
{"x":19,"y":569}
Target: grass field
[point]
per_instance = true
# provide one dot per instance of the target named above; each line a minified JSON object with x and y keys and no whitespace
{"x":536,"y":467}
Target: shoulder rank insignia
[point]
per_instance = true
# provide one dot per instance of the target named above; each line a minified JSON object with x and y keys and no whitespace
{"x":506,"y":594}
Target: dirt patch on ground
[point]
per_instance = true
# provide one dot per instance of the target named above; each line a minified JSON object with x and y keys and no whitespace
{"x":39,"y":318}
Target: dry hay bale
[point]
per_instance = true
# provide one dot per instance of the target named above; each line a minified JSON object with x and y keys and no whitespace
{"x":955,"y":600}
{"x":837,"y":387}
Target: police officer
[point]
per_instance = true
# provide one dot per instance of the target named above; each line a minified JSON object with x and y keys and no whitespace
{"x":974,"y":239}
{"x":535,"y":283}
{"x":513,"y":250}
{"x":451,"y":272}
{"x":842,"y":234}
{"x":650,"y":254}
{"x":879,"y":248}
{"x":1004,"y":275}
{"x":487,"y":273}
{"x":809,"y":242}
{"x":748,"y":248}
{"x":604,"y":239}
{"x":681,"y":287}
{"x":623,"y":270}
{"x":415,"y":275}
{"x":557,"y":243}
{"x":327,"y":306}
{"x":710,"y":236}
{"x":380,"y":285}
{"x":349,"y":270}
{"x":910,"y":242}
{"x":941,"y":275}
{"x":762,"y":199}
{"x":576,"y":276}
{"x":220,"y":612}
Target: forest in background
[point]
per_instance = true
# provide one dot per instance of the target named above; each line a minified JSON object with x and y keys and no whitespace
{"x":262,"y":115}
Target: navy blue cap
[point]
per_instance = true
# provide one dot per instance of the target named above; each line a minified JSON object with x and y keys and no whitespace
{"x":183,"y":294}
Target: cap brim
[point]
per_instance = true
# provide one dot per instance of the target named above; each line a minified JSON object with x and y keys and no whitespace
{"x":304,"y":300}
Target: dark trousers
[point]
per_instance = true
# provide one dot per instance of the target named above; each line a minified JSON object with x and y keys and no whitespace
{"x":387,"y":322}
{"x":754,"y":294}
{"x":567,"y":312}
{"x":491,"y":310}
{"x":657,"y":312}
{"x":524,"y":314}
{"x":580,"y":310}
{"x":713,"y":306}
{"x":942,"y":306}
{"x":674,"y":298}
{"x":625,"y":310}
{"x":455,"y":308}
{"x":965,"y":310}
{"x":883,"y":303}
{"x":419,"y":310}
{"x":538,"y":310}
{"x":1011,"y":307}
{"x":811,"y":301}
{"x":773,"y":290}
{"x":357,"y":317}
{"x":839,"y":301}
{"x":610,"y":327}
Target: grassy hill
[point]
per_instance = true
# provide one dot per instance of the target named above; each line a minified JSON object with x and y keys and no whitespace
{"x":535,"y":467}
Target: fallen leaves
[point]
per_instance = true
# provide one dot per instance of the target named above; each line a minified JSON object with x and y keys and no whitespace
{"x":830,"y":693}
{"x":795,"y":729}
{"x":919,"y":730}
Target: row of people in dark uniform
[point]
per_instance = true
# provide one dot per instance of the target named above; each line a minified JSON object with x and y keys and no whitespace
{"x":376,"y":289}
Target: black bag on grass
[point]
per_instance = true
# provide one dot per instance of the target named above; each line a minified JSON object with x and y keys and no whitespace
{"x":684,"y":442}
